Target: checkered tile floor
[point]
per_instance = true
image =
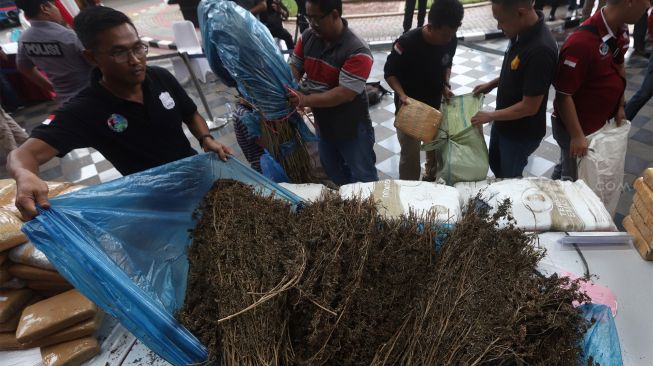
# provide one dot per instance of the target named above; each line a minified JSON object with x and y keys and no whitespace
{"x":471,"y":67}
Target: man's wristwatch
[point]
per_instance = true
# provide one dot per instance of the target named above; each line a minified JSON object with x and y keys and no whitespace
{"x":204,"y":137}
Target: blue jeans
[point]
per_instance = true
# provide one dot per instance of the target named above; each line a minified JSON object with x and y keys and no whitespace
{"x":509,"y":157}
{"x":643,"y":95}
{"x":352,"y":160}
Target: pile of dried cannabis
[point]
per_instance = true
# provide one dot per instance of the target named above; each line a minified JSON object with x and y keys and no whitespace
{"x":338,"y":284}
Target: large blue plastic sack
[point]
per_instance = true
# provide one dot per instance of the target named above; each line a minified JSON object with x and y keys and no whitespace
{"x":601,"y":340}
{"x":123,"y":245}
{"x":233,"y":37}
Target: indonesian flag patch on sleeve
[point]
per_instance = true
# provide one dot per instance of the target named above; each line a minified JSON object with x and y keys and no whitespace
{"x":398,"y":48}
{"x":571,"y":61}
{"x":48,"y":120}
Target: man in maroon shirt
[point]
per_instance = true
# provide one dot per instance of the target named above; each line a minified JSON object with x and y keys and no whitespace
{"x":590,"y":80}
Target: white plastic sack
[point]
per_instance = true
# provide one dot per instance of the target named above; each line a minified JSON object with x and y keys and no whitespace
{"x":398,"y":197}
{"x":603,"y":166}
{"x":307,"y":192}
{"x":542,"y":204}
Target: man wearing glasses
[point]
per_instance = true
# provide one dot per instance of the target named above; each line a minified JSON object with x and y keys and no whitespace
{"x":336,"y":64}
{"x":131,"y":113}
{"x":50,"y":46}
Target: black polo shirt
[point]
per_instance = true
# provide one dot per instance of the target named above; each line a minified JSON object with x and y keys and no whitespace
{"x":420,"y":66}
{"x":132,"y":136}
{"x":528,"y":69}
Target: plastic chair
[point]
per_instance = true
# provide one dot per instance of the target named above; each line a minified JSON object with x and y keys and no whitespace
{"x":187,"y":41}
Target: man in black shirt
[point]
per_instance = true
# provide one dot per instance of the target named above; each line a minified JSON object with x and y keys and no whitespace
{"x":526,"y":75}
{"x":131,"y":113}
{"x":419,"y":67}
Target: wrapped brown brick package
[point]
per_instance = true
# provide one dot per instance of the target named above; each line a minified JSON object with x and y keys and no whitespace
{"x":10,"y":234}
{"x":12,"y":301}
{"x":11,"y":324}
{"x":49,"y":286}
{"x":54,"y":314}
{"x":83,"y":329}
{"x":645,"y":191}
{"x":71,"y":353}
{"x":4,"y":273}
{"x":648,"y":177}
{"x":35,"y":274}
{"x":8,"y":342}
{"x":638,"y":241}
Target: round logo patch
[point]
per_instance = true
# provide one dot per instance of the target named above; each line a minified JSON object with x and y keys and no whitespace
{"x":445,"y":59}
{"x":604,"y":48}
{"x":117,"y":123}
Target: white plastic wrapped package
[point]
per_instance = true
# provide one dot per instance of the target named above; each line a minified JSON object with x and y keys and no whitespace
{"x":307,"y":192}
{"x":541,"y":204}
{"x":398,"y":197}
{"x":28,"y":254}
{"x":603,"y":166}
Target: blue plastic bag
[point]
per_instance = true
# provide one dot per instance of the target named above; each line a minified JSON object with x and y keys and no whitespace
{"x":234,"y":38}
{"x":272,"y":169}
{"x":601,"y":340}
{"x":123,"y":245}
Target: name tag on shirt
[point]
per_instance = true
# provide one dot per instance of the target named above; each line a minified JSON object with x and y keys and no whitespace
{"x":167,"y":101}
{"x":43,"y":49}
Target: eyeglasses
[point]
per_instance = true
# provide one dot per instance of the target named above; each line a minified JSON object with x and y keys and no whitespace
{"x":314,"y":21}
{"x":139,"y":51}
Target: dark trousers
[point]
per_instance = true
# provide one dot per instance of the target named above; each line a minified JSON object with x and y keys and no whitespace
{"x":410,"y":10}
{"x":639,"y":33}
{"x":189,"y":11}
{"x":644,"y":93}
{"x":508,"y":157}
{"x":278,"y":31}
{"x":352,"y":160}
{"x":566,"y":169}
{"x":301,"y":11}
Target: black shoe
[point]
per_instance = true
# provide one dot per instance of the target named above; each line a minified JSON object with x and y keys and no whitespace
{"x":643,"y":53}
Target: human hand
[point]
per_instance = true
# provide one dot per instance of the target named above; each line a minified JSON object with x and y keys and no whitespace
{"x":482,"y":89}
{"x":218,"y":148}
{"x":482,"y":118}
{"x":30,"y":192}
{"x":578,"y":146}
{"x":447,"y":93}
{"x":620,"y":117}
{"x":403,"y":98}
{"x":295,"y":98}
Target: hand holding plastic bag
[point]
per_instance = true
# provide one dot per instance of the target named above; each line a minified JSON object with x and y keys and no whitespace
{"x":123,"y":245}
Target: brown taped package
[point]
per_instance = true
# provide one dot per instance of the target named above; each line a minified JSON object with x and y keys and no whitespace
{"x":80,"y":330}
{"x":640,"y":224}
{"x":4,"y":273}
{"x":54,"y":314}
{"x":648,"y":177}
{"x":640,"y":244}
{"x":12,"y":301}
{"x":71,"y":353}
{"x":645,"y":211}
{"x":34,"y":273}
{"x":8,"y":342}
{"x":10,"y":234}
{"x":7,"y":191}
{"x":49,"y":286}
{"x":11,"y":324}
{"x":645,"y":192}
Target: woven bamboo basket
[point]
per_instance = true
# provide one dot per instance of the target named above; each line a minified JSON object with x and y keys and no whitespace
{"x":418,"y":120}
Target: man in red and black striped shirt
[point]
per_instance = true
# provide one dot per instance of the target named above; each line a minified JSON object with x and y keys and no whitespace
{"x":336,"y":64}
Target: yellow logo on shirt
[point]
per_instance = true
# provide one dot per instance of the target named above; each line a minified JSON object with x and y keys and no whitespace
{"x":514,"y":65}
